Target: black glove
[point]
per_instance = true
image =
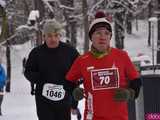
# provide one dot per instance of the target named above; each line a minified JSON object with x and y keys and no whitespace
{"x":123,"y":94}
{"x":32,"y":92}
{"x":79,"y":116}
{"x":78,"y":93}
{"x":77,"y":113}
{"x":33,"y":89}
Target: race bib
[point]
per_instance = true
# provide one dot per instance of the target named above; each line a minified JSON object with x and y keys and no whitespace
{"x":105,"y":78}
{"x":53,"y":92}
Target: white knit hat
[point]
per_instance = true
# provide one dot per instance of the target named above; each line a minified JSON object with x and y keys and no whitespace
{"x":99,"y":21}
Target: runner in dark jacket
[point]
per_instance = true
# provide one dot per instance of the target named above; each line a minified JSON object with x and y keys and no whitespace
{"x":47,"y":66}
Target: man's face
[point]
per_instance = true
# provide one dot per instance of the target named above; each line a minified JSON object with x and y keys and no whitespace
{"x":101,"y":39}
{"x":52,"y":39}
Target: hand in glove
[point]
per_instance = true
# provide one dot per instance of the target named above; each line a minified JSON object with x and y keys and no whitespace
{"x":123,"y":94}
{"x":78,"y":93}
{"x":33,"y":92}
{"x":76,"y":112}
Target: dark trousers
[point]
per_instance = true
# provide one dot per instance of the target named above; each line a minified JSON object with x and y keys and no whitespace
{"x":47,"y":111}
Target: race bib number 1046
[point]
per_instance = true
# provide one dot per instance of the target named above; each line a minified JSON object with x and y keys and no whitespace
{"x":53,"y":92}
{"x":105,"y":78}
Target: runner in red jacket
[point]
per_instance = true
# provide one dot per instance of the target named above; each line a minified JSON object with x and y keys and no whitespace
{"x":109,"y":76}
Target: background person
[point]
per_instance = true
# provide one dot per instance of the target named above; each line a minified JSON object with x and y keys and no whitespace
{"x":2,"y":84}
{"x":47,"y":66}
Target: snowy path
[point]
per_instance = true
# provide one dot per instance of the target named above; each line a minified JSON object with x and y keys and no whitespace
{"x":18,"y":104}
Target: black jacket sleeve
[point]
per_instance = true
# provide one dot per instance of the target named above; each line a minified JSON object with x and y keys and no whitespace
{"x":70,"y":86}
{"x":74,"y":104}
{"x":31,"y":68}
{"x":136,"y":85}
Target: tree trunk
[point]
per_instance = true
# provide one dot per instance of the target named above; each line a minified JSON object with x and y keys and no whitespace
{"x":158,"y":33}
{"x":26,"y":8}
{"x":8,"y":56}
{"x":136,"y":23}
{"x":67,"y":28}
{"x":119,"y":30}
{"x":149,"y":23}
{"x":73,"y":33}
{"x":86,"y":25}
{"x":73,"y":29}
{"x":149,"y":33}
{"x":129,"y":23}
{"x":40,"y":7}
{"x":3,"y":34}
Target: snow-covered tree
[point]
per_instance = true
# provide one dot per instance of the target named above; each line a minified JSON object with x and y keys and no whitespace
{"x":73,"y":13}
{"x":120,"y":9}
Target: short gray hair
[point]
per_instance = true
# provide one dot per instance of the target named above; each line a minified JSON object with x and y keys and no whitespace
{"x":52,"y":26}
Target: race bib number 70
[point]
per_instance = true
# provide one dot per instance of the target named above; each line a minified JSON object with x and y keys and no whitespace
{"x":105,"y":78}
{"x":53,"y":92}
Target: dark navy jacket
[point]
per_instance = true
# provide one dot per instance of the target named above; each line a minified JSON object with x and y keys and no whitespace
{"x":50,"y":65}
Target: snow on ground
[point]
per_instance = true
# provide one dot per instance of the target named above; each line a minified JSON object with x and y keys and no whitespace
{"x":137,"y":42}
{"x":20,"y":105}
